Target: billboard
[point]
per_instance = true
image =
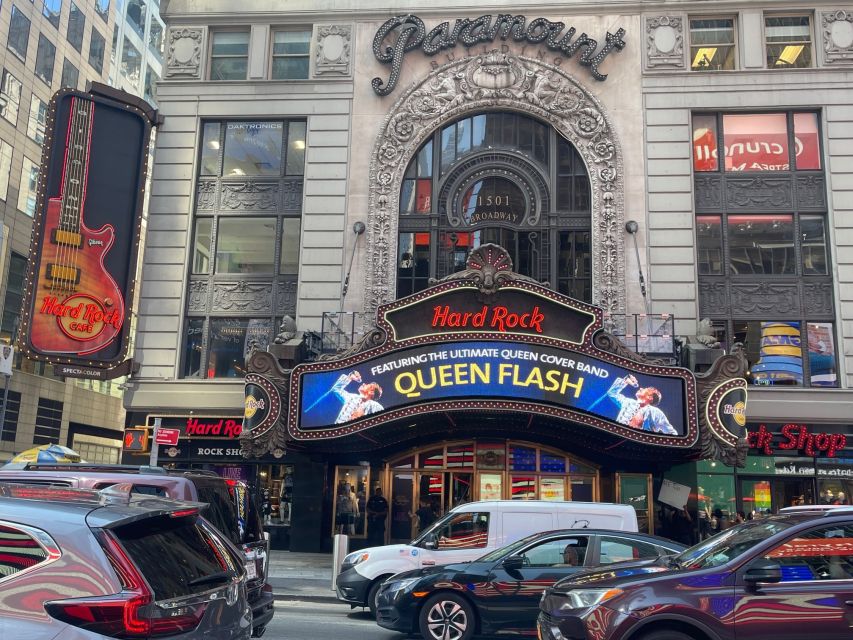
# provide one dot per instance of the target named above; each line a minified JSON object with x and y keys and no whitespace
{"x":636,"y":400}
{"x":85,"y":241}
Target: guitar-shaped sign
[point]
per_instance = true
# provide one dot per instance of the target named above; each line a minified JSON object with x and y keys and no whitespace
{"x":78,"y":307}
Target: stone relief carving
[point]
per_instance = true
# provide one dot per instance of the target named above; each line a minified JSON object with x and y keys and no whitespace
{"x":292,"y":191}
{"x":205,"y":199}
{"x":249,"y":195}
{"x":333,"y":49}
{"x":197,"y":296}
{"x":489,"y":81}
{"x":837,"y":27}
{"x":817,"y":297}
{"x":665,"y":42}
{"x":761,"y":297}
{"x":183,"y":52}
{"x":759,"y":192}
{"x":713,"y":298}
{"x":242,"y":296}
{"x":811,"y":192}
{"x":709,"y":192}
{"x":285,"y":297}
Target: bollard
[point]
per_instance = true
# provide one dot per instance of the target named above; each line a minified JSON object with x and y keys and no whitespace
{"x":340,"y":549}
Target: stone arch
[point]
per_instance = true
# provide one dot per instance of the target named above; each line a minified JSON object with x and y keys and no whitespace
{"x":487,"y":82}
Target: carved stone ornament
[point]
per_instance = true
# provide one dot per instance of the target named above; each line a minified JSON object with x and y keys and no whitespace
{"x":837,"y":28}
{"x":487,"y":82}
{"x":273,"y":439}
{"x":333,"y":49}
{"x":242,"y":296}
{"x":183,"y":52}
{"x":664,"y":42}
{"x":489,"y":267}
{"x":718,"y":446}
{"x":249,"y":196}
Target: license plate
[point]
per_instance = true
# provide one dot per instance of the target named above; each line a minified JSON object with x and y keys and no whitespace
{"x":251,"y":570}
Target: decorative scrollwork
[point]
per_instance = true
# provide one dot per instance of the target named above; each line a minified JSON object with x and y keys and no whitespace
{"x":275,"y":439}
{"x":733,"y":365}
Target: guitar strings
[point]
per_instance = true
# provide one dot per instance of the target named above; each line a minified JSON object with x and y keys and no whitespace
{"x":61,"y":249}
{"x":85,"y":133}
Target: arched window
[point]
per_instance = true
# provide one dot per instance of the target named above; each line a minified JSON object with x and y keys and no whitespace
{"x":503,"y":178}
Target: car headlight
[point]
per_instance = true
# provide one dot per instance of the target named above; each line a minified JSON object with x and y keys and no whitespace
{"x":584,"y":598}
{"x":356,"y":558}
{"x":398,"y":585}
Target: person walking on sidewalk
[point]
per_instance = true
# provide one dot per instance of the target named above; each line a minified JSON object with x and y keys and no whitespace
{"x":377,"y":514}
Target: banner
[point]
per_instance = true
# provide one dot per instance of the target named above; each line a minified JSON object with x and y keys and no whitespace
{"x":538,"y":375}
{"x":85,"y":237}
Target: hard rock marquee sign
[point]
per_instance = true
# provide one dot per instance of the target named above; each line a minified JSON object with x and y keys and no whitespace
{"x":490,"y":340}
{"x":402,"y":34}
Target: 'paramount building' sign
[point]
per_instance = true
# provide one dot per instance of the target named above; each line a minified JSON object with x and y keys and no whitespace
{"x":411,"y":34}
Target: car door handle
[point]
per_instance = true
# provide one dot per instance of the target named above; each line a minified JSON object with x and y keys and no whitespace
{"x":849,"y":603}
{"x":428,"y":563}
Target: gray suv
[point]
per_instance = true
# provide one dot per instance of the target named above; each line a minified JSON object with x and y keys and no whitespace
{"x":83,"y":565}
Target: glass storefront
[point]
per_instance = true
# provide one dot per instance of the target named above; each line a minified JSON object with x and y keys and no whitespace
{"x":426,"y":483}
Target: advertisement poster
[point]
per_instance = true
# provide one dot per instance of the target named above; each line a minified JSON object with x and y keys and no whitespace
{"x":490,"y":370}
{"x":762,"y":496}
{"x":86,"y":231}
{"x":490,"y":486}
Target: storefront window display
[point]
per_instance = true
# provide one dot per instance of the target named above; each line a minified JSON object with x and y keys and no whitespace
{"x":635,"y":489}
{"x":835,"y":491}
{"x":275,"y":484}
{"x":716,"y":499}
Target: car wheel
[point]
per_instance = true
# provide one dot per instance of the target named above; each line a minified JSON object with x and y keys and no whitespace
{"x":666,"y":634}
{"x":373,"y":593}
{"x":447,"y":616}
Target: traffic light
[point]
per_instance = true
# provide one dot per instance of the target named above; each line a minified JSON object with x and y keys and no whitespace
{"x":136,"y":439}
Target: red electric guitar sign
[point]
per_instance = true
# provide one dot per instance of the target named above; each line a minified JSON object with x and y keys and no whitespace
{"x":79,"y":308}
{"x":85,"y":243}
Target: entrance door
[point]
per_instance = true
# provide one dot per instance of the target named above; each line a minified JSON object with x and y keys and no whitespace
{"x":402,"y":490}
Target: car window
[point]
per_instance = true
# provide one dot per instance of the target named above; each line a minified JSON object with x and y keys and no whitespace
{"x":821,"y":554}
{"x":174,"y":554}
{"x":464,"y":531}
{"x":729,"y":544}
{"x":563,"y":552}
{"x":18,"y":551}
{"x":222,"y":512}
{"x":613,"y":549}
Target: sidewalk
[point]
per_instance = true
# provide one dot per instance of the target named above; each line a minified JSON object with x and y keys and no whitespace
{"x":301,"y":576}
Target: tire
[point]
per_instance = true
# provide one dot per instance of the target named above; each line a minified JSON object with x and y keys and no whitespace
{"x":447,"y":616}
{"x":666,"y":634}
{"x":374,"y":591}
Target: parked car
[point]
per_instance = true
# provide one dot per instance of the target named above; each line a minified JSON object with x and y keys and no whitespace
{"x":782,"y":577}
{"x":231,"y":509}
{"x":79,"y":564}
{"x":499,"y":592}
{"x":466,"y":533}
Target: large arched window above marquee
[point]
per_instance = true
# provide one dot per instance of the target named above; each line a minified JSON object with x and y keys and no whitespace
{"x":498,"y":177}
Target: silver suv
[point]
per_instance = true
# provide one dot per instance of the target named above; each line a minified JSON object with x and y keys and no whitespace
{"x":79,"y":565}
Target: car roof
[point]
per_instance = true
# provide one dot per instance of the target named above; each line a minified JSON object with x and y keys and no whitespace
{"x":610,"y":532}
{"x":545,"y":504}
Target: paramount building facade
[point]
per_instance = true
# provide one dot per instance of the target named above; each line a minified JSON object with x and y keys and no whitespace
{"x":685,"y":171}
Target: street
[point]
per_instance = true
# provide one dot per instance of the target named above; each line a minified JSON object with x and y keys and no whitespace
{"x":303,"y":620}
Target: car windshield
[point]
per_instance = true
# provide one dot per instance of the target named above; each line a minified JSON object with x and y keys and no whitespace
{"x":728,"y":545}
{"x":509,"y":550}
{"x":418,"y":542}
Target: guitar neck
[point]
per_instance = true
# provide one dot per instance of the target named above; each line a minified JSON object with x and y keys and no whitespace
{"x":76,"y":170}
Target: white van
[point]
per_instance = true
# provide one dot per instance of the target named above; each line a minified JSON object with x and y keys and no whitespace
{"x":469,"y":531}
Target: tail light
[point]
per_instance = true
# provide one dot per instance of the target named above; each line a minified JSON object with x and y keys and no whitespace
{"x":129,"y":614}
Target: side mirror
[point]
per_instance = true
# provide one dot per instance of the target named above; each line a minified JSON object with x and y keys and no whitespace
{"x":763,"y":571}
{"x":430,"y":541}
{"x":513,"y":563}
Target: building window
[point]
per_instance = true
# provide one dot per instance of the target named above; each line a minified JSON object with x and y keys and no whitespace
{"x":155,"y":38}
{"x":29,"y":183}
{"x":712,"y":44}
{"x":767,"y":251}
{"x":14,"y":296}
{"x":136,"y":16}
{"x":19,"y":33}
{"x":52,"y":9}
{"x":45,"y":59}
{"x":10,"y":420}
{"x":229,"y":55}
{"x":151,"y":80}
{"x":10,"y":97}
{"x":290,"y":55}
{"x":76,"y":27}
{"x":5,"y":168}
{"x":38,"y":118}
{"x":102,"y":8}
{"x":789,"y":42}
{"x":48,"y":422}
{"x":97,"y":46}
{"x":70,"y":74}
{"x":254,"y":241}
{"x":131,"y":63}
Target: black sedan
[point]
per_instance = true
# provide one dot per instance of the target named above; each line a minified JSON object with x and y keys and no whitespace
{"x":500,"y":591}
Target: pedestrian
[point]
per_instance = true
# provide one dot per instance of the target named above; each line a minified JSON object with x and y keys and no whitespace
{"x":347,"y":509}
{"x":426,"y":515}
{"x":377,"y":513}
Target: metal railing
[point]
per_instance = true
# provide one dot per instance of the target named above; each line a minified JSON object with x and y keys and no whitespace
{"x":339,"y":331}
{"x":651,"y":335}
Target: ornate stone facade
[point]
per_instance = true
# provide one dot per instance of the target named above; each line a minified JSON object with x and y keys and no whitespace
{"x":497,"y":80}
{"x":183,"y":52}
{"x":333,"y":50}
{"x":664,"y":42}
{"x":837,"y":29}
